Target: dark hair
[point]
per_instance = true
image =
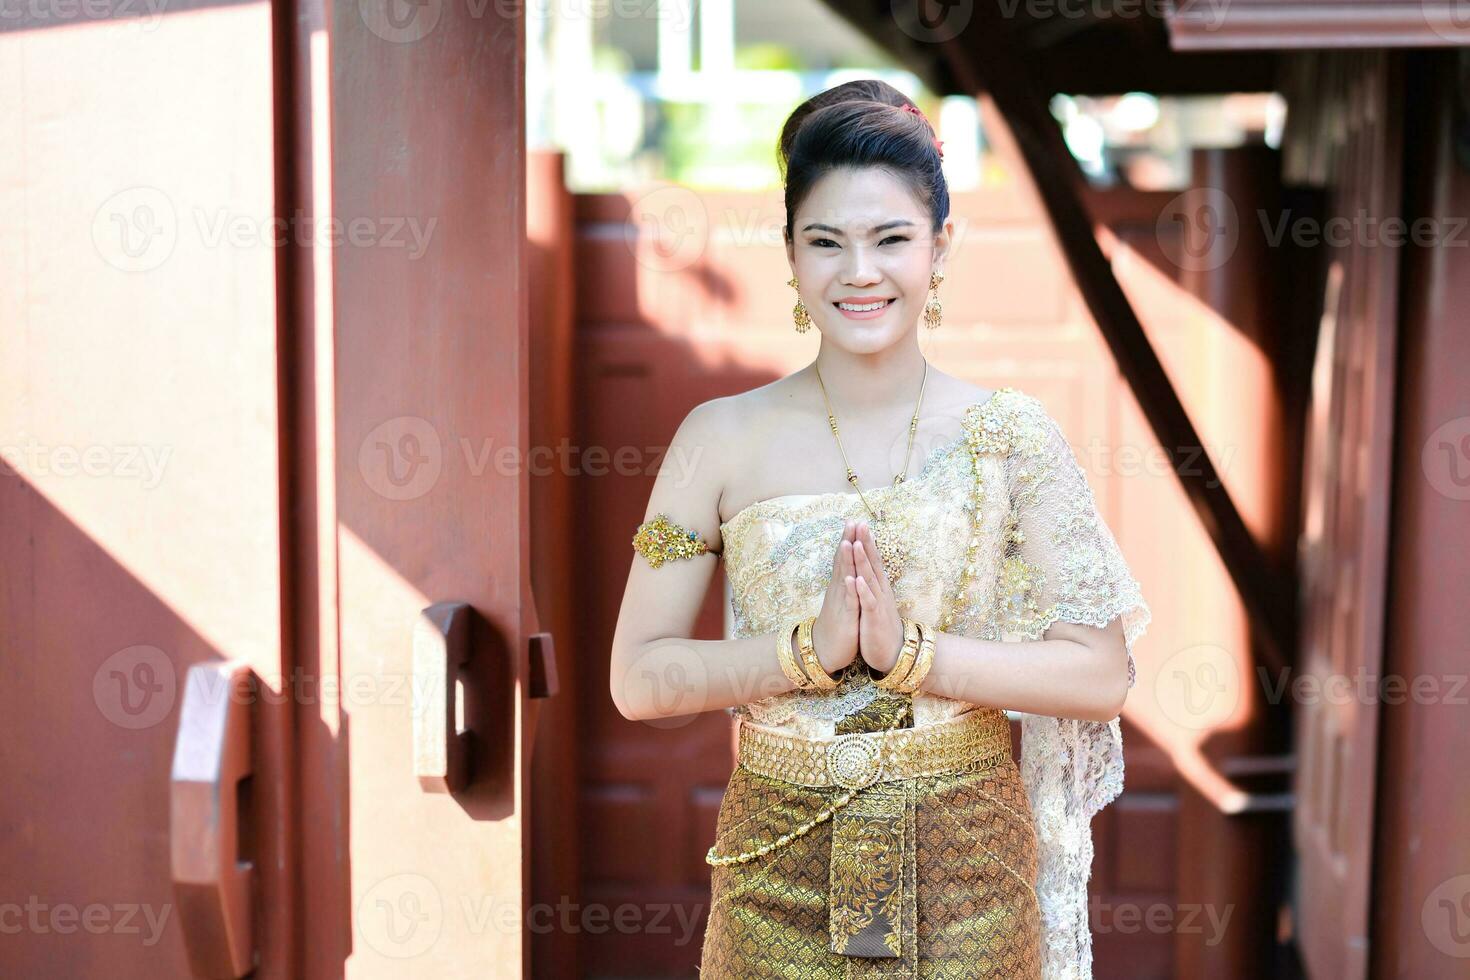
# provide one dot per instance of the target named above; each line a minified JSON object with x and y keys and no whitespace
{"x":862,"y":123}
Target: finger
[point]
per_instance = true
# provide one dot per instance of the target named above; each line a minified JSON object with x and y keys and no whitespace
{"x":864,"y":563}
{"x":870,"y":545}
{"x":843,"y":560}
{"x":865,"y":594}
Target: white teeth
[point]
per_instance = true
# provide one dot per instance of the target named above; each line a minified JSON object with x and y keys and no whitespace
{"x":863,"y":308}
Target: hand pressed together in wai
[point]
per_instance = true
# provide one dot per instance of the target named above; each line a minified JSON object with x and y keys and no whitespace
{"x":859,"y":616}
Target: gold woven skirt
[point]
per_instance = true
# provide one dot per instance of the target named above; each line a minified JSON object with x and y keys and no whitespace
{"x":915,"y":876}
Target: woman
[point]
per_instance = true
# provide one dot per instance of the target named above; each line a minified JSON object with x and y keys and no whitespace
{"x":876,"y":824}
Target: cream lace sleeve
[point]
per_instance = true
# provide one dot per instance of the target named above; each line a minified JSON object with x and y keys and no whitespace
{"x":1060,"y":562}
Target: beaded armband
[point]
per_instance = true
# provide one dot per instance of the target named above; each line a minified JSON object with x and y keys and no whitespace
{"x":660,"y":540}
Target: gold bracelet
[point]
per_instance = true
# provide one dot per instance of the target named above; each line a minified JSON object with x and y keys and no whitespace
{"x":809,"y":659}
{"x":788,"y":659}
{"x":921,"y":666}
{"x":893,"y":680}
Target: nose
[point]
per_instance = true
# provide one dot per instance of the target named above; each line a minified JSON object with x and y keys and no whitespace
{"x":859,"y":269}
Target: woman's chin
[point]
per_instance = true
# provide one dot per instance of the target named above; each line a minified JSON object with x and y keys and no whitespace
{"x":863,"y":336}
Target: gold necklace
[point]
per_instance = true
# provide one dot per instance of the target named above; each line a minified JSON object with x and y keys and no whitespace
{"x":888,"y":537}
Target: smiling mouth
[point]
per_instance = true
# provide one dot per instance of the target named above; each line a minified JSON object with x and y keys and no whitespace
{"x":865,"y":307}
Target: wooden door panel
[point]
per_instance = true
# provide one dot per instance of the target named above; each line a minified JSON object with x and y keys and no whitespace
{"x":139,"y":504}
{"x":1344,"y":545}
{"x":209,"y":454}
{"x":430,"y":426}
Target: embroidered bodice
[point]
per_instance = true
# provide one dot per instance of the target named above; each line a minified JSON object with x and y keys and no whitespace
{"x":778,"y":557}
{"x":1007,"y":501}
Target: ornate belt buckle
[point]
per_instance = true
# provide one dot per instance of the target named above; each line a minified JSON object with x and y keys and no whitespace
{"x":855,"y":760}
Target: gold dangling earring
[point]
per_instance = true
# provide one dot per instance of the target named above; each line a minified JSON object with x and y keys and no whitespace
{"x":932,"y":309}
{"x":799,"y":311}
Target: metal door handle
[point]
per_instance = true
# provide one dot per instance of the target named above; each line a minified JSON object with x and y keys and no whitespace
{"x":211,"y":882}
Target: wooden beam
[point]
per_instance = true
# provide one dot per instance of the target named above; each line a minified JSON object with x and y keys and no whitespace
{"x":1245,"y":25}
{"x":1078,"y":55}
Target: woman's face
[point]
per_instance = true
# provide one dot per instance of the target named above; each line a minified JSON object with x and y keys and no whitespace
{"x":860,"y":239}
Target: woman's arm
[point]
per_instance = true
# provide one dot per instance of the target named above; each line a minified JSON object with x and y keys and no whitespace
{"x":1076,"y":671}
{"x":670,"y":676}
{"x":656,"y":670}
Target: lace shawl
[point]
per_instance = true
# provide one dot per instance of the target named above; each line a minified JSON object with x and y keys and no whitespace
{"x":1058,"y":562}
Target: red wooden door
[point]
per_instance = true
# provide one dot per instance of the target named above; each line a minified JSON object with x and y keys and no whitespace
{"x":259,"y":380}
{"x":140,"y":505}
{"x":430,"y":424}
{"x":1344,"y":545}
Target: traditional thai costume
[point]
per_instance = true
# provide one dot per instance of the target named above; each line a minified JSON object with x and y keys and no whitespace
{"x":942,"y":856}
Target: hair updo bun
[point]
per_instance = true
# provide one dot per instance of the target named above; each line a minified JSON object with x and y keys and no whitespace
{"x":863,"y":123}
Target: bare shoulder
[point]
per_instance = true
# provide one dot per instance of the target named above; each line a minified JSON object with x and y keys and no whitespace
{"x":751,"y":415}
{"x":697,"y":450}
{"x":951,"y":395}
{"x":694,"y":470}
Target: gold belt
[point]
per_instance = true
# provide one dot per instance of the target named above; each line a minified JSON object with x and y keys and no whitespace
{"x":872,"y":884}
{"x":975,"y":740}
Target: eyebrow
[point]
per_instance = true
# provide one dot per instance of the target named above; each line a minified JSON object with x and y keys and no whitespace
{"x":896,"y":223}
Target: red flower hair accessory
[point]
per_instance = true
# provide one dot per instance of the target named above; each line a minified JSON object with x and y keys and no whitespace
{"x":938,"y":143}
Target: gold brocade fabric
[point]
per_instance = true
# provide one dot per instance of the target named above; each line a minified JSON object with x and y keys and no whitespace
{"x":925,"y":877}
{"x":967,"y":874}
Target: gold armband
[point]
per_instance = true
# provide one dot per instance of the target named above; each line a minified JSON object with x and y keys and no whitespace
{"x":661,"y":540}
